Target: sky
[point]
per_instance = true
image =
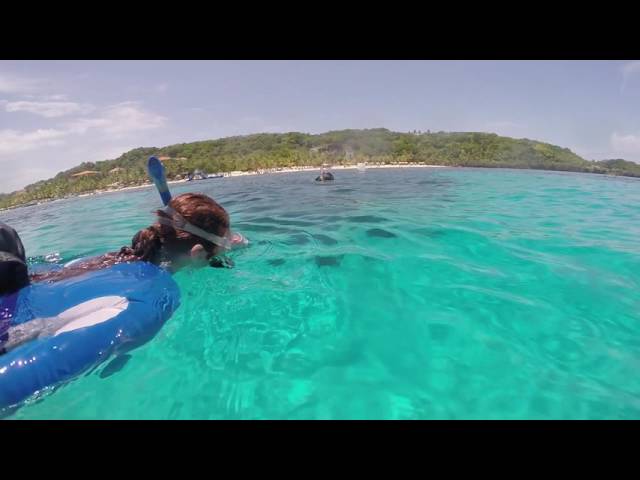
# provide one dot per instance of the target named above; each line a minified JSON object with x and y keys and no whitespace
{"x":56,"y":114}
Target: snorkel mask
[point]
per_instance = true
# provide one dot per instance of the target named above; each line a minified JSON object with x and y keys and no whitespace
{"x":175,"y":220}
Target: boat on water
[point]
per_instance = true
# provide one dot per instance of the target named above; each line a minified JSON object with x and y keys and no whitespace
{"x":200,"y":175}
{"x":325,"y":174}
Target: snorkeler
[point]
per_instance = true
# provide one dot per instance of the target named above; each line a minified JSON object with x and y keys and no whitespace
{"x":13,"y":277}
{"x":192,"y":229}
{"x":13,"y":264}
{"x":325,"y":175}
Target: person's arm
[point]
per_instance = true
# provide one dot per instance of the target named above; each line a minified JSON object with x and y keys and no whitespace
{"x":85,"y":314}
{"x":95,"y":263}
{"x":25,"y":332}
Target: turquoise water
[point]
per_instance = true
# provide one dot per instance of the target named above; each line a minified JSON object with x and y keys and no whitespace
{"x":391,"y":294}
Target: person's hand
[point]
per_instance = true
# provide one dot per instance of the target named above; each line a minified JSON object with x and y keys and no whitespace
{"x":199,"y":254}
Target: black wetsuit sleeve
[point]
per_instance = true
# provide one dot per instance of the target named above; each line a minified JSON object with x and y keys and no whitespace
{"x":221,"y":262}
{"x":13,"y":265}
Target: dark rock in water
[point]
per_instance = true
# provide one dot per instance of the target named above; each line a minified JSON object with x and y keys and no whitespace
{"x":276,"y":262}
{"x":431,"y":232}
{"x":330,"y":261}
{"x":325,"y":239}
{"x":365,"y":219}
{"x":439,"y":332}
{"x":297,"y":239}
{"x":325,"y":177}
{"x":115,"y":366}
{"x":380,"y":233}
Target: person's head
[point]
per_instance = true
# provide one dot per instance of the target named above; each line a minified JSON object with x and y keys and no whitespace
{"x":169,"y":238}
{"x":13,"y":264}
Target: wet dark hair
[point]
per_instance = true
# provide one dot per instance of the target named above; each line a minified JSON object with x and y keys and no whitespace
{"x":199,"y":210}
{"x":13,"y":263}
{"x":160,"y":241}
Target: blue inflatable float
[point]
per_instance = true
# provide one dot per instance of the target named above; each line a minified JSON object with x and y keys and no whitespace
{"x":54,"y":332}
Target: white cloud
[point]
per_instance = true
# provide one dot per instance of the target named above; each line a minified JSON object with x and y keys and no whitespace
{"x":13,"y":84}
{"x":629,"y":69}
{"x":58,"y":97}
{"x":13,"y":141}
{"x":115,"y":121}
{"x":119,"y":119}
{"x":55,"y":98}
{"x":161,"y":87}
{"x":48,"y":109}
{"x":626,"y":144}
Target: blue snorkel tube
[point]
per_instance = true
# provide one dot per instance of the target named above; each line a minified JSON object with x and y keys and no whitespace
{"x":156,"y":172}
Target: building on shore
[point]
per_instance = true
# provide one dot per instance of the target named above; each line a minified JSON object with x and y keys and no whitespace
{"x":86,"y":173}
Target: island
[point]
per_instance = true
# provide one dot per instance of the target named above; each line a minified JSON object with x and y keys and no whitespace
{"x":273,"y":152}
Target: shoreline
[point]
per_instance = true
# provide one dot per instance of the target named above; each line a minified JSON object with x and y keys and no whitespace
{"x":267,"y":171}
{"x":121,"y":189}
{"x":308,"y":168}
{"x":237,"y":173}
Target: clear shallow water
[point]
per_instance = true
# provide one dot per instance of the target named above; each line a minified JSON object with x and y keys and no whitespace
{"x":391,"y":294}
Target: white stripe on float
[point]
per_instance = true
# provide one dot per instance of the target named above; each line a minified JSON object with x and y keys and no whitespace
{"x":92,"y":312}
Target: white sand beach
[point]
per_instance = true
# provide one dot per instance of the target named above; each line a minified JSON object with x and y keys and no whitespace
{"x":266,"y":171}
{"x":336,"y":167}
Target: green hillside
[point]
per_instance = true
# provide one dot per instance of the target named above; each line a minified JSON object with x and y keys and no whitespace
{"x":263,"y":151}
